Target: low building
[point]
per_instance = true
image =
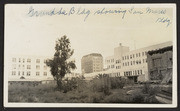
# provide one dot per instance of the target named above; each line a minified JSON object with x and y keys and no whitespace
{"x":160,"y":64}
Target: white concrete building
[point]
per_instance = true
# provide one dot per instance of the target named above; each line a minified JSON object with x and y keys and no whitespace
{"x":130,"y":64}
{"x":28,"y":68}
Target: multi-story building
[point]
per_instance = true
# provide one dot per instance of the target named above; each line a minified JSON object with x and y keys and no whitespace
{"x":28,"y":68}
{"x":131,"y":64}
{"x":92,"y":63}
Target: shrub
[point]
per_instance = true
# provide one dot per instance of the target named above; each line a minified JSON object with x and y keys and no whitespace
{"x":74,"y":84}
{"x":97,"y":97}
{"x":101,"y":85}
{"x":146,"y":88}
{"x":138,"y":98}
{"x":117,"y":82}
{"x":115,"y":98}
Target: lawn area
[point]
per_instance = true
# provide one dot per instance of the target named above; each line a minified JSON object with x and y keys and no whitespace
{"x":93,"y":92}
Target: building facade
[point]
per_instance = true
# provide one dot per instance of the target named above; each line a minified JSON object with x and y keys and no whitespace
{"x":28,"y":68}
{"x":160,"y":64}
{"x":131,"y":64}
{"x":92,"y":63}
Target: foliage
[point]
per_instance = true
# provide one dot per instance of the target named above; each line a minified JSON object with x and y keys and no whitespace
{"x":146,"y":88}
{"x":162,"y":50}
{"x":74,"y":83}
{"x":101,"y":84}
{"x":60,"y":64}
{"x":82,"y":92}
{"x":117,"y":82}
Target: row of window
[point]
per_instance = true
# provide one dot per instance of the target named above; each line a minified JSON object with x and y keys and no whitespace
{"x":27,"y":74}
{"x":118,"y":67}
{"x":131,"y":73}
{"x":111,"y":60}
{"x":28,"y":60}
{"x":133,"y":55}
{"x":118,"y":61}
{"x":110,"y":66}
{"x":134,"y":62}
{"x":28,"y":66}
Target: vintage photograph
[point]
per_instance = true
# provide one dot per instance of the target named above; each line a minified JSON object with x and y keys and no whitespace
{"x":90,"y":55}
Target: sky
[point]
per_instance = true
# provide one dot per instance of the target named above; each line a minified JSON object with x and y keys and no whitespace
{"x":98,"y":33}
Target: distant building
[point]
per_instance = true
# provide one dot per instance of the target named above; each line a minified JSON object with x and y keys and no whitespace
{"x":29,"y":68}
{"x":92,"y":63}
{"x":131,"y":64}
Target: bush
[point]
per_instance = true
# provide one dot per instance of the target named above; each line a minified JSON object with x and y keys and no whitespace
{"x":138,"y":98}
{"x":101,"y":85}
{"x":117,"y":82}
{"x":73,"y":84}
{"x":146,"y":88}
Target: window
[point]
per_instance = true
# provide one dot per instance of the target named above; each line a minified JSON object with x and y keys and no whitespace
{"x":13,"y":73}
{"x":131,"y":62}
{"x":19,"y":73}
{"x":142,"y":53}
{"x":112,"y":66}
{"x":45,"y":73}
{"x":19,"y":66}
{"x":37,"y":60}
{"x":13,"y":59}
{"x":23,"y":73}
{"x":37,"y":67}
{"x":139,"y":54}
{"x":136,"y":55}
{"x":28,"y":66}
{"x":23,"y":60}
{"x":127,"y":57}
{"x":28,"y":73}
{"x":138,"y":71}
{"x":130,"y":56}
{"x":23,"y":66}
{"x":37,"y":73}
{"x":19,"y":59}
{"x":28,"y":60}
{"x":45,"y":60}
{"x":133,"y":55}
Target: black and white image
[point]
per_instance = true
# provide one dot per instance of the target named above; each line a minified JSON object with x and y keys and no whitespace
{"x":90,"y":55}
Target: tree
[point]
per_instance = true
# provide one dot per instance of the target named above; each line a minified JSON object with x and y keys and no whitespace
{"x":60,"y":63}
